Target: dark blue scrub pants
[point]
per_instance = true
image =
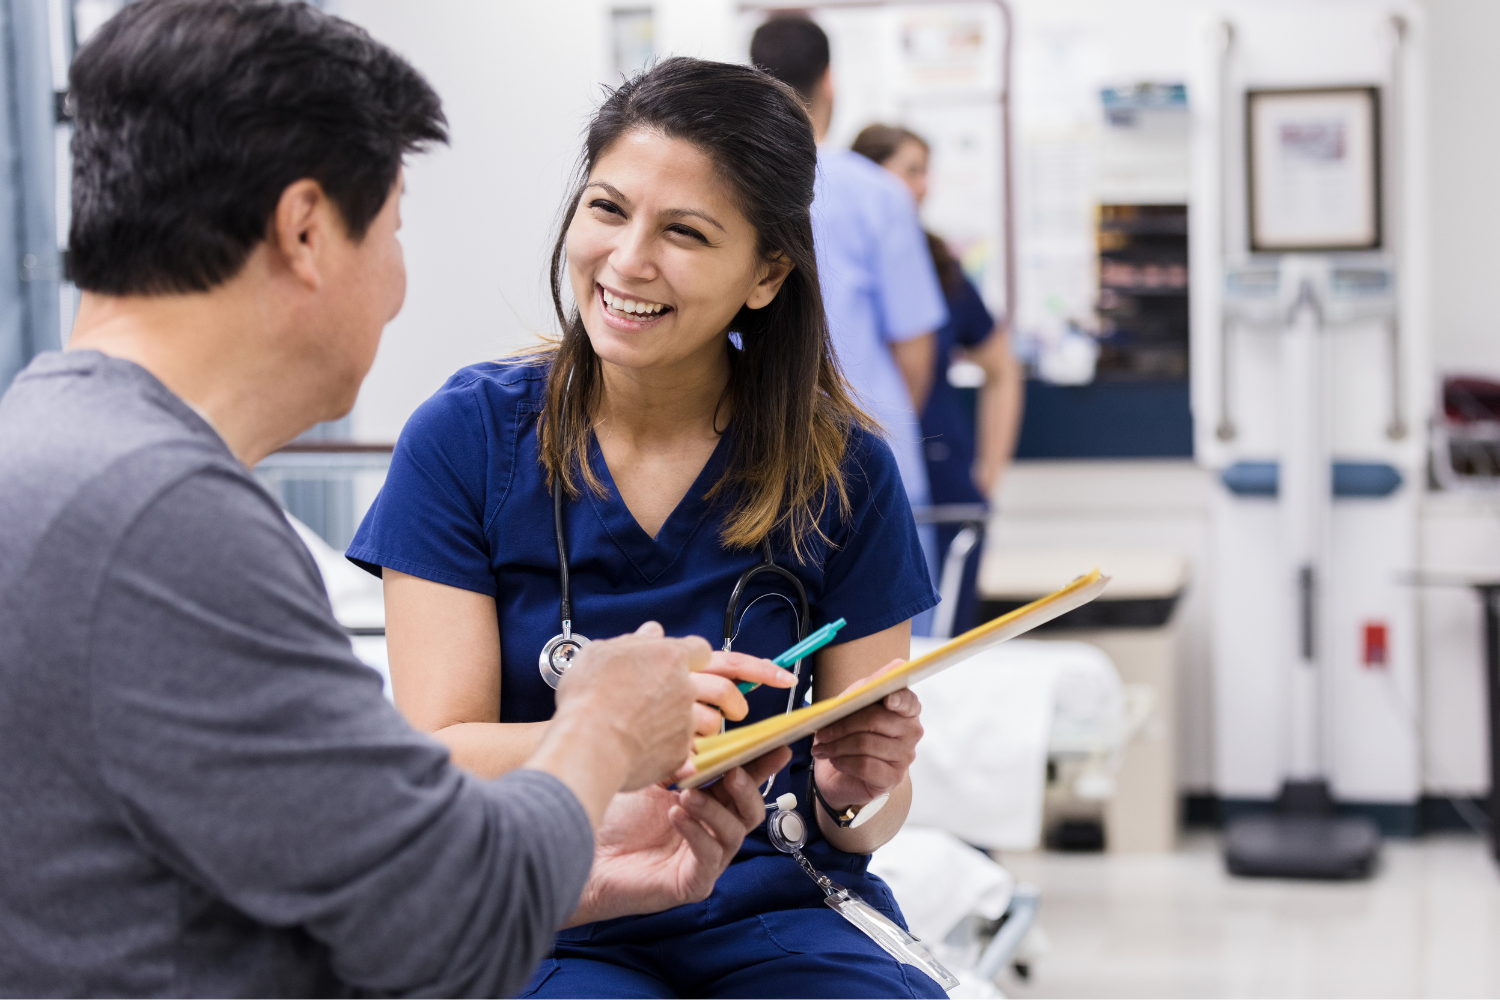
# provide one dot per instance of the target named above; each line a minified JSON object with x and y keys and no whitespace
{"x":785,"y":953}
{"x":764,"y":932}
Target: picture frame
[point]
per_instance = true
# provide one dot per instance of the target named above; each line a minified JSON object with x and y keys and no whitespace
{"x":1313,"y":169}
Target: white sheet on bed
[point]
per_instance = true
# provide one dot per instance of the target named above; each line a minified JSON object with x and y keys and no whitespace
{"x":981,"y":767}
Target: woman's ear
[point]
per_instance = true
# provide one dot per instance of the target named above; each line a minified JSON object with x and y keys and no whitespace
{"x":772,"y":273}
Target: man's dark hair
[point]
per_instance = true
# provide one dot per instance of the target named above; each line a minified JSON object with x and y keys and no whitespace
{"x":193,"y":116}
{"x":792,"y":49}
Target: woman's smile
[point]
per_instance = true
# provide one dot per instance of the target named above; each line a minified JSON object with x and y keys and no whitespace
{"x":661,"y":258}
{"x":623,"y":312}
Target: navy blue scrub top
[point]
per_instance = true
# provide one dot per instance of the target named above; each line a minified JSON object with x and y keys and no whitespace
{"x":948,"y":435}
{"x":466,"y":504}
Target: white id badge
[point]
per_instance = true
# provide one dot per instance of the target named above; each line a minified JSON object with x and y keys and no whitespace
{"x":877,"y":926}
{"x":888,"y":934}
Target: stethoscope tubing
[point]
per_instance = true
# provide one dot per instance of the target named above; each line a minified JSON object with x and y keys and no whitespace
{"x":768,"y":565}
{"x":551,"y":672}
{"x":564,"y":583}
{"x":804,"y":616}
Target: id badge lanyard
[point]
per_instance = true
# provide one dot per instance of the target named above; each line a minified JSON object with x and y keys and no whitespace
{"x":788,"y":832}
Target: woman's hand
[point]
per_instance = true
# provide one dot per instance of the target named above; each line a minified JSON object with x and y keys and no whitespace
{"x":867,"y":754}
{"x":657,"y":848}
{"x":718,"y":696}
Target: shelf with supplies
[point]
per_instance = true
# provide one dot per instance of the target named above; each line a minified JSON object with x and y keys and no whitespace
{"x":1143,"y":292}
{"x":1138,"y":404}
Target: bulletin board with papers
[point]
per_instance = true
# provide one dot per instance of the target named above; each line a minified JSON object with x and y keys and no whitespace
{"x":942,"y":71}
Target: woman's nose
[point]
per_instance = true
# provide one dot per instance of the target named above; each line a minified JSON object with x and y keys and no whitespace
{"x":633,"y":255}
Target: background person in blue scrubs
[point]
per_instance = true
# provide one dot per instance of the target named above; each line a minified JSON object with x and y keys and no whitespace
{"x":960,"y":469}
{"x":678,"y":452}
{"x":879,"y":285}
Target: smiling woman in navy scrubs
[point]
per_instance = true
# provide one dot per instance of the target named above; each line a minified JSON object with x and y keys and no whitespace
{"x":692,"y":409}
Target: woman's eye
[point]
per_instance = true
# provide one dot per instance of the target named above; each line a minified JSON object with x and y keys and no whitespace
{"x":687,"y":231}
{"x":606,"y":206}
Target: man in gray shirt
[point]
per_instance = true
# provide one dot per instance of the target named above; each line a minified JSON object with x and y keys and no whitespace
{"x":202,"y":792}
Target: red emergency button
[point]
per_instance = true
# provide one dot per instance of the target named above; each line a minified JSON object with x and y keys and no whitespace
{"x":1376,"y":648}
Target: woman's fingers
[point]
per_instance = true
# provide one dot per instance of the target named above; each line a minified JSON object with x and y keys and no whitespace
{"x":877,"y":719}
{"x":719,"y":692}
{"x":742,"y":667}
{"x":706,"y":720}
{"x":894,"y":751}
{"x":904,"y":702}
{"x":876,"y":745}
{"x":699,"y":652}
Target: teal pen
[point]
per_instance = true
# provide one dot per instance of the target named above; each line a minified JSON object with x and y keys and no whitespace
{"x":806,"y":647}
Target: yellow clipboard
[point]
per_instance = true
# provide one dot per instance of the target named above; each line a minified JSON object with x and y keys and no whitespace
{"x":717,"y":754}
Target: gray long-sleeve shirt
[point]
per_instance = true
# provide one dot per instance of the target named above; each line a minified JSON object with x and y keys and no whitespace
{"x":202,"y":792}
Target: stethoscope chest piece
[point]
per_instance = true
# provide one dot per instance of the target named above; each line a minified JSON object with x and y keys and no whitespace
{"x":557,"y":655}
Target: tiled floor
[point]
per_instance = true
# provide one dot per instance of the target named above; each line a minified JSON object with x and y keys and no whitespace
{"x":1427,"y":925}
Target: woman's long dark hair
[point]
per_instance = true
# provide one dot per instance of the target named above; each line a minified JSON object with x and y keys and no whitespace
{"x":792,"y":409}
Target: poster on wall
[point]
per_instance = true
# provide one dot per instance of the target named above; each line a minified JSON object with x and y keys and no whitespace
{"x":1314,"y":169}
{"x":938,"y":70}
{"x":948,"y":49}
{"x":964,"y":202}
{"x":632,"y":40}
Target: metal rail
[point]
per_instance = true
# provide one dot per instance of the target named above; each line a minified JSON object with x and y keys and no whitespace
{"x":1395,"y":178}
{"x":1225,"y":431}
{"x":304,"y":459}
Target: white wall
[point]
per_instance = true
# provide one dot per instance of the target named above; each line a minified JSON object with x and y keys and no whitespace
{"x":1464,"y":167}
{"x":1460,"y":533}
{"x":517,"y":81}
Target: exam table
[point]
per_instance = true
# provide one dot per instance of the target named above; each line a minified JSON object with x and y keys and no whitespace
{"x":992,"y":725}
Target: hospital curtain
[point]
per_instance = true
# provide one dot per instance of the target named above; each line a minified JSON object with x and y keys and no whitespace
{"x":31,"y":270}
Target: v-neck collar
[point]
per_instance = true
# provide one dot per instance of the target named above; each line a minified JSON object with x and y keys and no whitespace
{"x":651,"y":556}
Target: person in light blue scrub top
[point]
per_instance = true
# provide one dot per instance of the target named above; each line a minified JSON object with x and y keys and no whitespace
{"x":880,"y":287}
{"x":968,"y":447}
{"x":692,"y":419}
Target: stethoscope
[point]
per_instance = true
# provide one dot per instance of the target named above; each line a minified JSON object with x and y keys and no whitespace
{"x":786,"y":828}
{"x":557,"y":655}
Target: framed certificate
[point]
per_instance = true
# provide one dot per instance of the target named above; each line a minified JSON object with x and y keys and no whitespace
{"x":1313,"y":169}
